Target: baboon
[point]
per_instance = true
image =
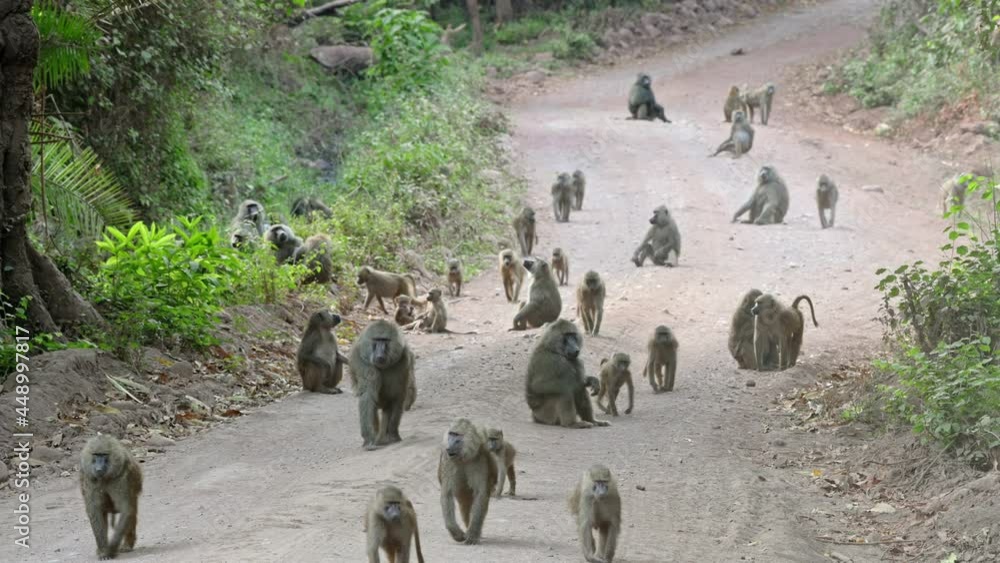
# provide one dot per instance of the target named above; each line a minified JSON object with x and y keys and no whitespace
{"x":769,"y":202}
{"x":110,"y":480}
{"x":385,"y":284}
{"x":741,"y":336}
{"x":562,"y":197}
{"x":641,"y":101}
{"x":319,"y":362}
{"x":661,"y":363}
{"x":595,"y":505}
{"x":467,"y":473}
{"x":503,"y":453}
{"x":512,"y":274}
{"x":305,"y":206}
{"x":454,"y":277}
{"x":775,"y":324}
{"x":826,"y":198}
{"x":590,"y":302}
{"x":579,"y":189}
{"x":316,"y":251}
{"x":734,"y":102}
{"x":436,"y":319}
{"x":761,"y":99}
{"x":404,"y":310}
{"x":544,"y":302}
{"x":249,"y":224}
{"x":560,"y":265}
{"x":614,"y":374}
{"x":740,"y":139}
{"x":524,"y":228}
{"x":954,"y":190}
{"x":284,"y":241}
{"x":391,"y":523}
{"x":382,"y":377}
{"x":556,"y":385}
{"x":660,"y":239}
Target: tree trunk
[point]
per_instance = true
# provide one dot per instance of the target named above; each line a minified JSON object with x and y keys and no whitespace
{"x":53,"y":304}
{"x":477,"y":27}
{"x":505,"y":11}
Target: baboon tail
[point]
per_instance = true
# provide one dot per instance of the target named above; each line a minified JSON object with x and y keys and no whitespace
{"x":795,"y":305}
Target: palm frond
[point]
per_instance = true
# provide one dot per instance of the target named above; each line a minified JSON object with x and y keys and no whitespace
{"x":66,"y":41}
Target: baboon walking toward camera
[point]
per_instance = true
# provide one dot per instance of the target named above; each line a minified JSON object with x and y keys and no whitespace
{"x":544,"y":302}
{"x":390,"y":524}
{"x":661,"y":239}
{"x":777,"y":325}
{"x":512,"y":274}
{"x":504,"y":453}
{"x":562,"y":197}
{"x":524,"y":228}
{"x":556,"y":383}
{"x":455,"y":277}
{"x":741,"y":331}
{"x":467,"y":473}
{"x":319,"y":362}
{"x":590,"y":302}
{"x":595,"y":505}
{"x":560,"y":265}
{"x":110,"y":481}
{"x":382,"y":377}
{"x":661,"y":363}
{"x":769,"y":202}
{"x":826,"y":199}
{"x":579,"y":189}
{"x":614,"y":374}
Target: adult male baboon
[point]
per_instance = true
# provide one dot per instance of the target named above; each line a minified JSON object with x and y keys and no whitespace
{"x":391,"y":523}
{"x":249,"y":224}
{"x":455,"y":277}
{"x":556,"y":385}
{"x":382,"y":377}
{"x":284,"y":241}
{"x":512,"y":274}
{"x":319,"y":362}
{"x":660,"y":239}
{"x":826,"y":198}
{"x":734,"y":102}
{"x":769,"y":202}
{"x":524,"y":228}
{"x":544,"y":302}
{"x":590,"y":302}
{"x":467,"y":473}
{"x":316,"y":251}
{"x":404,"y":310}
{"x":740,"y":139}
{"x":661,"y":363}
{"x":560,"y":265}
{"x":777,"y":325}
{"x":595,"y":505}
{"x":579,"y":189}
{"x":562,"y":197}
{"x":110,"y":480}
{"x":641,"y":101}
{"x":615,"y":373}
{"x":741,"y":336}
{"x":385,"y":285}
{"x":761,"y":99}
{"x":305,"y":206}
{"x":503,"y":453}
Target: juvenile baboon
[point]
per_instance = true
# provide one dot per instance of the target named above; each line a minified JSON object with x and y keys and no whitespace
{"x":769,"y":202}
{"x":662,"y":238}
{"x":641,"y":101}
{"x":249,"y":224}
{"x":305,"y":206}
{"x":560,"y":265}
{"x":524,"y":228}
{"x":661,"y":363}
{"x":404,"y":310}
{"x":734,"y":102}
{"x":512,"y":274}
{"x":579,"y":189}
{"x":777,"y":325}
{"x":316,"y":251}
{"x":562,"y":197}
{"x":391,"y":523}
{"x":614,"y":374}
{"x":556,"y":385}
{"x":590,"y":302}
{"x":110,"y":480}
{"x":284,"y":241}
{"x":761,"y":99}
{"x":741,"y":336}
{"x":467,"y":473}
{"x":954,"y":190}
{"x":544,"y":302}
{"x":434,"y":320}
{"x":319,"y":362}
{"x":595,"y":505}
{"x":740,"y":139}
{"x":503,"y":453}
{"x":382,"y":377}
{"x":826,"y":198}
{"x":385,"y":285}
{"x":455,"y":277}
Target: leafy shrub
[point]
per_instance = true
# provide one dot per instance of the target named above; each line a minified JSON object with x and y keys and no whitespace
{"x":575,"y":45}
{"x":406,"y":45}
{"x":522,"y":30}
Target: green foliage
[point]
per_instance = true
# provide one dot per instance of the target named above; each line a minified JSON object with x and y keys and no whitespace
{"x":523,"y":30}
{"x":408,"y":53}
{"x":66,"y":41}
{"x":574,"y":45}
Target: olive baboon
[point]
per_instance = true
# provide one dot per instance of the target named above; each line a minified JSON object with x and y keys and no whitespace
{"x":467,"y":473}
{"x":560,"y":265}
{"x":740,"y":139}
{"x":284,"y":241}
{"x":769,"y":202}
{"x":614,"y":374}
{"x":512,"y":274}
{"x":382,"y":377}
{"x":579,"y":189}
{"x":954,"y":190}
{"x":319,"y":362}
{"x":385,"y":285}
{"x":455,"y":277}
{"x":305,"y":206}
{"x":249,"y":224}
{"x":761,"y":99}
{"x":734,"y":102}
{"x":661,"y":363}
{"x":404,"y":310}
{"x":434,"y":320}
{"x":562,"y":197}
{"x":826,"y":198}
{"x":556,"y":385}
{"x":595,"y":505}
{"x":391,"y":523}
{"x":316,"y":251}
{"x":590,"y":302}
{"x":777,"y":325}
{"x":524,"y":228}
{"x":110,"y":480}
{"x":503,"y":453}
{"x":660,"y":239}
{"x":544,"y":302}
{"x":641,"y":101}
{"x":741,"y":336}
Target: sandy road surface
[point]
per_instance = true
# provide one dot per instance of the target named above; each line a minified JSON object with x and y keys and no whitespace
{"x":289,"y":482}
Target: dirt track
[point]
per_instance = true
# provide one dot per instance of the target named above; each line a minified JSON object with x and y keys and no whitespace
{"x":289,"y":482}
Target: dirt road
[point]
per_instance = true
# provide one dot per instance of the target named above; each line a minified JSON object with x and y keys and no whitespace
{"x":289,"y":482}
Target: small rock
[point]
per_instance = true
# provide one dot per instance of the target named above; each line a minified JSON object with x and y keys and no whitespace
{"x":883,"y":508}
{"x":181,"y":369}
{"x":157,"y":440}
{"x":883,"y":130}
{"x":640,"y":487}
{"x":779,"y":443}
{"x":761,"y":478}
{"x":534,"y":76}
{"x":873,"y":189}
{"x":737,"y":51}
{"x":47,"y":455}
{"x":751,"y":383}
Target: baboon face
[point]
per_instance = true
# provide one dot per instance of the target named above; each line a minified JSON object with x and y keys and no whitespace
{"x":253,"y":212}
{"x":578,"y":175}
{"x":571,"y":345}
{"x":734,"y":90}
{"x":770,"y":89}
{"x":494,"y":439}
{"x":529,"y":215}
{"x":748,"y":300}
{"x":663,"y":335}
{"x":644,"y":80}
{"x":556,"y":254}
{"x":363,"y":275}
{"x":461,"y":439}
{"x":391,"y":510}
{"x":538,"y":268}
{"x":237,"y":240}
{"x":100,"y":463}
{"x":591,"y":279}
{"x":380,"y":352}
{"x":763,"y":305}
{"x":453,"y":266}
{"x":661,"y":217}
{"x":434,"y":295}
{"x":766,"y":174}
{"x":601,"y":478}
{"x":391,"y":501}
{"x":621,"y":361}
{"x":739,"y":117}
{"x":324,"y":319}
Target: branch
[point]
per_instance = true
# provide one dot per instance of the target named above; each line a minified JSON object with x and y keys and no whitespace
{"x":324,"y":10}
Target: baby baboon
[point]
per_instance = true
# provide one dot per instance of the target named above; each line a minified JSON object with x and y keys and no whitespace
{"x":544,"y":302}
{"x":777,"y":325}
{"x":391,"y":523}
{"x":661,"y":364}
{"x":769,"y":202}
{"x":556,"y":385}
{"x":110,"y":480}
{"x":382,"y":378}
{"x":741,"y":336}
{"x":641,"y":101}
{"x":740,"y":136}
{"x":503,"y":453}
{"x":512,"y":274}
{"x":454,"y":277}
{"x":560,"y":265}
{"x":305,"y":206}
{"x":734,"y":102}
{"x":524,"y":228}
{"x":404,"y":310}
{"x":660,"y":239}
{"x":284,"y":241}
{"x":614,"y":374}
{"x":579,"y":189}
{"x":467,"y":473}
{"x":384,"y":284}
{"x":761,"y":99}
{"x":595,"y":505}
{"x":249,"y":224}
{"x":319,"y":362}
{"x":316,"y":251}
{"x":826,"y":198}
{"x":562,"y":197}
{"x":590,"y":302}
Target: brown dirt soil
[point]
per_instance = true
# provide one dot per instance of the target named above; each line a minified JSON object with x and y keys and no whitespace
{"x":719,"y":470}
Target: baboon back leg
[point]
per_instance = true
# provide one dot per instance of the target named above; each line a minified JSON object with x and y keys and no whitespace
{"x":584,"y":408}
{"x":597,"y":323}
{"x":671,"y":373}
{"x":371,"y":431}
{"x":394,"y":415}
{"x":464,"y":506}
{"x":833,"y":215}
{"x":369,"y":299}
{"x":512,"y":479}
{"x":381,"y":304}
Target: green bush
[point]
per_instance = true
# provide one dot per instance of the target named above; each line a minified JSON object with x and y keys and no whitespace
{"x":522,"y":30}
{"x":574,"y":45}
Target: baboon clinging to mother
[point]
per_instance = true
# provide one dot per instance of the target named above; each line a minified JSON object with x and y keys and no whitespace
{"x":382,"y":377}
{"x":110,"y":481}
{"x":780,"y":326}
{"x":556,"y":384}
{"x":596,"y":506}
{"x":467,"y":473}
{"x":661,"y":239}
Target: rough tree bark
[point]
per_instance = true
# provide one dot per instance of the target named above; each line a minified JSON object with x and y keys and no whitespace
{"x":477,"y":27}
{"x":505,"y":11}
{"x":24,"y":272}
